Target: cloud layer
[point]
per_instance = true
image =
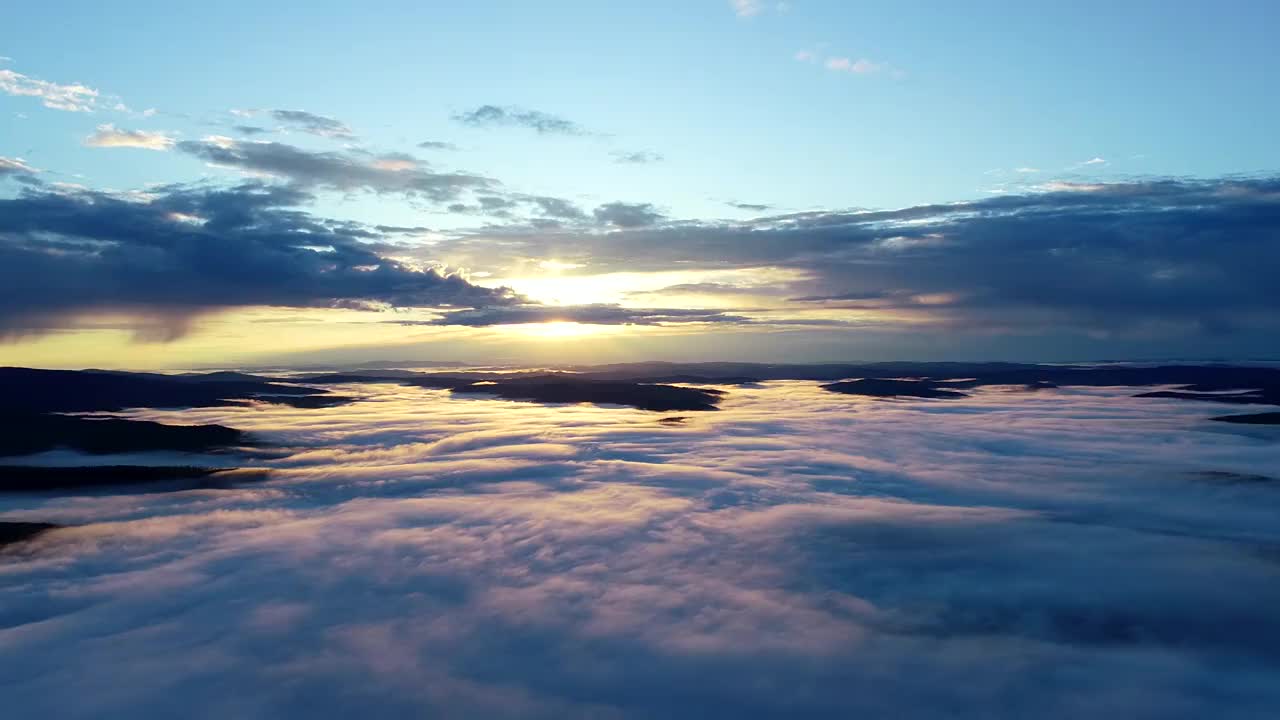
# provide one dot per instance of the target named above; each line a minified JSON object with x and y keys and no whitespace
{"x":1179,"y":262}
{"x":797,"y":554}
{"x":599,"y":314}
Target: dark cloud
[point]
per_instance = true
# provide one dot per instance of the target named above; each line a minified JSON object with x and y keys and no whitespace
{"x":750,"y":207}
{"x":344,"y":171}
{"x":488,"y":116}
{"x":1167,"y":258}
{"x":590,"y":314}
{"x":249,"y":130}
{"x":639,"y":157}
{"x":312,"y":123}
{"x":437,"y":145}
{"x":187,"y":250}
{"x":627,"y":215}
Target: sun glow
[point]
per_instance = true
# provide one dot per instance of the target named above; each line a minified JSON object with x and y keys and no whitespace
{"x":638,"y":289}
{"x":558,"y":330}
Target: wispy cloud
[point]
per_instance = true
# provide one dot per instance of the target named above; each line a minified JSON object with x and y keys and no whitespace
{"x":437,"y":145}
{"x":489,"y":116}
{"x":1093,"y":162}
{"x":639,"y":157}
{"x":746,"y":9}
{"x":390,"y":173}
{"x":109,"y":136}
{"x":293,"y":120}
{"x":344,"y":171}
{"x":1062,"y":186}
{"x":314,"y":124}
{"x":861,"y":66}
{"x":848,"y":64}
{"x":750,"y":207}
{"x":72,"y":98}
{"x":15,"y":166}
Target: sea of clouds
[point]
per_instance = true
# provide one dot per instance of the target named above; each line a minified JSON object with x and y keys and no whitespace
{"x":1062,"y":553}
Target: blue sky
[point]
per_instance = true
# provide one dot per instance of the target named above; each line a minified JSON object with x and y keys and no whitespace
{"x":797,"y":106}
{"x":986,"y":86}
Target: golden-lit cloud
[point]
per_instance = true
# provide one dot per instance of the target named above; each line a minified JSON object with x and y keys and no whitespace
{"x":109,"y":136}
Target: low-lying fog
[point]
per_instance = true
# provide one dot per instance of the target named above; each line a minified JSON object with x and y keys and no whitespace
{"x":1064,"y":553}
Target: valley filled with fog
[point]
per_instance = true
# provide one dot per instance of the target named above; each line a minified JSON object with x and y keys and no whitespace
{"x":1053,"y":552}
